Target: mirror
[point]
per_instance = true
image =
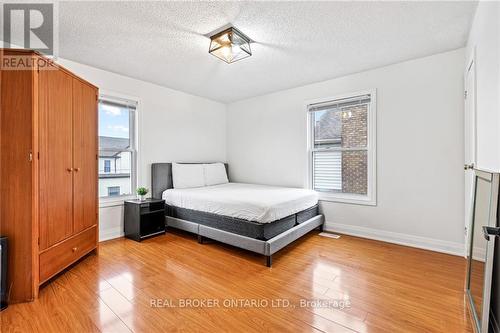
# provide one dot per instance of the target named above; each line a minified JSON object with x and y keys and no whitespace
{"x":481,"y":251}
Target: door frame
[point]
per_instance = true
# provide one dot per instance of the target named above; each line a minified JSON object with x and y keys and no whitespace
{"x":471,"y":63}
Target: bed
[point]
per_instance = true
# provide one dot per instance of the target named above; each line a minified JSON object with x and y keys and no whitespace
{"x":258,"y":218}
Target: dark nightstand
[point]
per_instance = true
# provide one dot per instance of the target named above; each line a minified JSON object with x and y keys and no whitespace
{"x":144,"y":219}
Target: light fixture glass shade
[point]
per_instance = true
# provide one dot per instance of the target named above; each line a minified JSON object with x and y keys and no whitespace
{"x":230,"y":45}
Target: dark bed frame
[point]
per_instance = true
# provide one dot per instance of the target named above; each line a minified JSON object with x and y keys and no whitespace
{"x":161,"y":180}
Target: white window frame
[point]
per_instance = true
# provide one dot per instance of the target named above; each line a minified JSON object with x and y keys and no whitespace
{"x":371,"y":197}
{"x":108,"y":201}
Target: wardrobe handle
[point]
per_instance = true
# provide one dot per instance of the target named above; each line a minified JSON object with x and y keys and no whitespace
{"x":69,"y":169}
{"x":77,"y":169}
{"x":74,"y":249}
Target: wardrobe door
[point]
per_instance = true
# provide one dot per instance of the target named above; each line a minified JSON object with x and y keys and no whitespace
{"x":56,"y":173}
{"x":84,"y":155}
{"x":17,"y":182}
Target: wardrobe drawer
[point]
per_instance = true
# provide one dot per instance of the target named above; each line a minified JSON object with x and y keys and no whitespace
{"x":60,"y":256}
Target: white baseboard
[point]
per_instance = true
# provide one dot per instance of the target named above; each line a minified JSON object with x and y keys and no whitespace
{"x":108,"y":234}
{"x":381,"y":235}
{"x":398,"y":238}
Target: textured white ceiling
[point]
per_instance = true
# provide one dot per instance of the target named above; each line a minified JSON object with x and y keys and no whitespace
{"x":296,"y":42}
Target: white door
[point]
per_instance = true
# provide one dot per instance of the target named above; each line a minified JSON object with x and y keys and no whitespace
{"x":470,"y":140}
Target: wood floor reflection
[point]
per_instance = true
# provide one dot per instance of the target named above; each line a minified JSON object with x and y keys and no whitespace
{"x":390,"y":288}
{"x":477,"y":284}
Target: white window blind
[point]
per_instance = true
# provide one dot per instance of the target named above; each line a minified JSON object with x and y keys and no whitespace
{"x":328,"y":170}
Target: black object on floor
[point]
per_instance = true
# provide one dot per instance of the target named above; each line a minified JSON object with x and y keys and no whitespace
{"x":144,"y":219}
{"x":3,"y":273}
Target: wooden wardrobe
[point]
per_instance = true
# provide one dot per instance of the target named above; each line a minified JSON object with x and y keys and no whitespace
{"x":48,"y":170}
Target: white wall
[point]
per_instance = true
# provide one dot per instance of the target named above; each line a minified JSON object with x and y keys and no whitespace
{"x":484,"y":41}
{"x":419,"y":145}
{"x":484,"y":45}
{"x":173,"y":126}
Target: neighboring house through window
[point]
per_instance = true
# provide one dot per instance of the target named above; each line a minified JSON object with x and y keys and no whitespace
{"x":117,"y":147}
{"x":113,"y":190}
{"x":107,"y":166}
{"x":342,"y":148}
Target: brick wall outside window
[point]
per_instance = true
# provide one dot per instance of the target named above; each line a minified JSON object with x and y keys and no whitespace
{"x":354,"y":162}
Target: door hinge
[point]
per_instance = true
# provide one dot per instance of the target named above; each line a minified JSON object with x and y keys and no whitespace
{"x":38,"y":155}
{"x":30,"y":156}
{"x":465,"y":94}
{"x":38,"y":240}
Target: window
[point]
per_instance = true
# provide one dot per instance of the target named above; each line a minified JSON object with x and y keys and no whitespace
{"x":117,"y":147}
{"x":113,"y":190}
{"x":342,"y":148}
{"x":107,"y":166}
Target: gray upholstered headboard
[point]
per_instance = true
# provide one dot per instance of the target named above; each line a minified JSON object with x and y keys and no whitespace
{"x":161,"y":178}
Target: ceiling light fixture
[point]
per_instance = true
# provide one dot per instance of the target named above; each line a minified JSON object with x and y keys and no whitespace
{"x":230,"y":45}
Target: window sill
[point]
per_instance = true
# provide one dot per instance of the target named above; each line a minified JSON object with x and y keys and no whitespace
{"x":112,"y":202}
{"x":347,"y":199}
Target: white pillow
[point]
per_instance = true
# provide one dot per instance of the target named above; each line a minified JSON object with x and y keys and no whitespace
{"x":187,"y":175}
{"x":215,"y":173}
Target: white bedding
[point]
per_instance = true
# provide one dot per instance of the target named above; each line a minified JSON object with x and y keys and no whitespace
{"x":260,"y":203}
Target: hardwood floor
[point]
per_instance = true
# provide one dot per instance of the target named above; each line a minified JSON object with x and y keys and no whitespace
{"x":390,"y":288}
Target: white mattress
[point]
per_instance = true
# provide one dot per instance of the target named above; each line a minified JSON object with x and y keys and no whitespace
{"x":260,"y":203}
